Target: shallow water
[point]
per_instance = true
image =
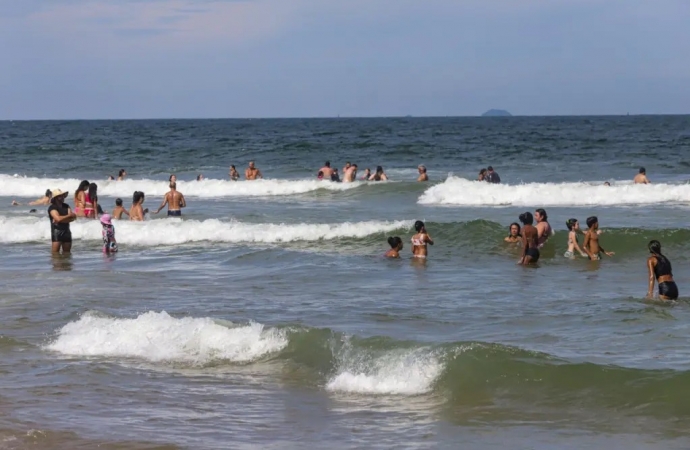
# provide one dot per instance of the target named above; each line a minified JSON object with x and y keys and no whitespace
{"x":267,"y":318}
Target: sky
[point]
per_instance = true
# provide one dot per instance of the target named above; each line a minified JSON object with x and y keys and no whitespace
{"x":108,"y":59}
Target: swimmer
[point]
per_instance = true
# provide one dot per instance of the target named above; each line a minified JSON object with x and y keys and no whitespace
{"x":367,"y":174}
{"x":573,"y":227}
{"x":591,"y":244}
{"x":252,"y":173}
{"x":422,"y":173}
{"x":350,"y":174}
{"x":346,"y":167}
{"x":514,"y":235}
{"x":108,"y":233}
{"x":482,"y":175}
{"x":420,"y":241}
{"x":641,"y":177}
{"x":137,"y":211}
{"x":80,"y":198}
{"x":175,"y":201}
{"x":234,"y":175}
{"x":379,"y":175}
{"x":606,"y":183}
{"x":172,"y":178}
{"x":326,"y":170}
{"x":200,"y":177}
{"x":492,"y":176}
{"x":60,"y":216}
{"x":396,"y":245}
{"x":335,"y":176}
{"x":43,"y":201}
{"x":110,"y":178}
{"x":118,"y":211}
{"x":530,"y":240}
{"x":660,"y":268}
{"x":544,"y":229}
{"x":121,"y":175}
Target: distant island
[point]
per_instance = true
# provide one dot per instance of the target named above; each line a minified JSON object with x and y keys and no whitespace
{"x":497,"y":113}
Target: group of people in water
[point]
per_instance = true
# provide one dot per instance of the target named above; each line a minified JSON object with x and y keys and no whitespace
{"x":350,"y":173}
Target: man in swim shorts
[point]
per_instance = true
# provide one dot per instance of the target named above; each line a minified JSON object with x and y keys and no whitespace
{"x":175,"y":201}
{"x":591,"y":245}
{"x":60,"y":215}
{"x":641,"y":177}
{"x":252,"y":173}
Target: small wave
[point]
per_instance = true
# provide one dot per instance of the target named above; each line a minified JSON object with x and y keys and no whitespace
{"x":463,"y":192}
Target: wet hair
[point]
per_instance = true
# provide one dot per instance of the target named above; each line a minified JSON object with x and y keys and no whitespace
{"x":490,"y":169}
{"x":542,"y":213}
{"x":118,"y":202}
{"x":570,"y":223}
{"x":526,"y":218}
{"x":48,"y":193}
{"x":93,"y":191}
{"x":173,"y":185}
{"x":379,"y":169}
{"x":642,"y":170}
{"x":328,"y":164}
{"x":121,"y":172}
{"x":418,"y":225}
{"x":591,"y":221}
{"x":654,"y":247}
{"x":514,"y":224}
{"x":394,"y":241}
{"x":82,"y":186}
{"x":171,"y":177}
{"x":138,"y":195}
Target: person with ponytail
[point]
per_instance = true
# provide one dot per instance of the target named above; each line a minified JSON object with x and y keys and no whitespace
{"x":573,"y":227}
{"x":660,"y":270}
{"x":396,"y":245}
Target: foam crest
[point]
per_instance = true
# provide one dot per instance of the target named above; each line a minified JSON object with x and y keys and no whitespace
{"x":398,"y":372}
{"x":156,"y":337}
{"x":30,"y":187}
{"x":462,"y":192}
{"x":176,"y":231}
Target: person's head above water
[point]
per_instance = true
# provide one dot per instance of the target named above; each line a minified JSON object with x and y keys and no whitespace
{"x":395,"y":242}
{"x":421,"y":168}
{"x":328,"y":164}
{"x":419,"y":226}
{"x":379,"y":169}
{"x":541,"y":215}
{"x":490,"y":169}
{"x":172,"y":178}
{"x":643,"y":171}
{"x":571,"y":223}
{"x":138,"y":197}
{"x":526,"y":218}
{"x":606,"y":183}
{"x":118,"y":202}
{"x":514,"y":229}
{"x":592,"y":222}
{"x":200,"y":177}
{"x":122,"y":173}
{"x":482,"y":172}
{"x":251,"y":164}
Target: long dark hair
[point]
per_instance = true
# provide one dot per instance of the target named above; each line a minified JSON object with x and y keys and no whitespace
{"x":570,"y":223}
{"x":419,"y":226}
{"x":655,"y":249}
{"x":138,"y":195}
{"x":83,"y":186}
{"x":526,"y":218}
{"x":511,"y":227}
{"x":93,"y":192}
{"x":542,"y":213}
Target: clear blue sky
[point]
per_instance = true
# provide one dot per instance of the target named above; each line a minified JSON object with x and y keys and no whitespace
{"x":306,"y":58}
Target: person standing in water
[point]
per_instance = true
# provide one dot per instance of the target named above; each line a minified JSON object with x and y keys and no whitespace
{"x":346,"y":168}
{"x":591,"y":245}
{"x":252,"y":173}
{"x":118,"y":211}
{"x":108,"y":233}
{"x":175,"y":201}
{"x":422,"y":173}
{"x":121,"y":175}
{"x":350,"y":174}
{"x":659,"y":268}
{"x":482,"y":175}
{"x":137,"y":211}
{"x":530,"y":240}
{"x":641,"y":177}
{"x":380,"y":175}
{"x":543,"y":228}
{"x":91,"y":202}
{"x":396,"y":245}
{"x":60,"y":215}
{"x":80,"y":198}
{"x":491,"y":176}
{"x":326,"y":170}
{"x":573,"y":227}
{"x":514,"y":235}
{"x":367,"y":174}
{"x":420,"y":241}
{"x":234,"y":175}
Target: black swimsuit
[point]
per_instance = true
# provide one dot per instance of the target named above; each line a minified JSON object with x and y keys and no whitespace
{"x":668,"y":289}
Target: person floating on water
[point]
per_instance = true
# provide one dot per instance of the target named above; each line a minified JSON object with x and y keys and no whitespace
{"x":422,"y":173}
{"x":118,"y":210}
{"x":121,"y":175}
{"x":350,"y":174}
{"x":641,"y":177}
{"x":60,"y":215}
{"x":379,"y":175}
{"x":530,"y":240}
{"x":108,"y":233}
{"x":491,"y":176}
{"x":80,"y":198}
{"x":234,"y":175}
{"x":43,"y":201}
{"x":543,"y":227}
{"x":591,"y":245}
{"x":396,"y":245}
{"x":137,"y":211}
{"x":514,"y":235}
{"x":252,"y":173}
{"x":420,"y":241}
{"x":573,"y":245}
{"x":175,"y":201}
{"x":659,"y":268}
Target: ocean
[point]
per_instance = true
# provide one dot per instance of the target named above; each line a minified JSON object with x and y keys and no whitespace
{"x":267,"y":317}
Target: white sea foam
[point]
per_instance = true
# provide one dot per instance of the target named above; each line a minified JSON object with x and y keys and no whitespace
{"x":462,"y":192}
{"x":176,"y":231}
{"x":156,"y":336}
{"x":31,"y":187}
{"x":398,"y":372}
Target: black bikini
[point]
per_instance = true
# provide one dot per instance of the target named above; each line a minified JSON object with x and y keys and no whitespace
{"x":668,"y":289}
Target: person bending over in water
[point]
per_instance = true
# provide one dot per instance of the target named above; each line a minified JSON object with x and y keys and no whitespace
{"x":118,"y":211}
{"x":137,"y":211}
{"x":326,"y":170}
{"x":422,"y":173}
{"x":175,"y":201}
{"x":641,"y":178}
{"x":530,"y":240}
{"x":543,"y":228}
{"x":43,"y":201}
{"x":514,"y":235}
{"x":108,"y":233}
{"x":396,"y":245}
{"x":252,"y":173}
{"x":420,"y":240}
{"x":591,"y":244}
{"x":573,"y":227}
{"x":660,"y":268}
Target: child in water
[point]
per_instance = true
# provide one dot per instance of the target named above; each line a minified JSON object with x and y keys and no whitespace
{"x":514,"y":235}
{"x":396,"y":245}
{"x":109,"y":242}
{"x":118,"y":211}
{"x":591,"y":244}
{"x":573,"y":227}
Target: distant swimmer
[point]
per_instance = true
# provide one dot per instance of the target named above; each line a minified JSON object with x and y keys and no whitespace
{"x":108,"y":234}
{"x":380,"y":175}
{"x":200,"y":177}
{"x":335,"y":176}
{"x":121,"y":175}
{"x":591,"y":245}
{"x":326,"y":170}
{"x":91,"y":202}
{"x":175,"y":201}
{"x":110,"y":178}
{"x":137,"y":211}
{"x":491,"y":176}
{"x":641,"y":177}
{"x":252,"y":173}
{"x":118,"y":211}
{"x":514,"y":235}
{"x":367,"y":174}
{"x":43,"y":201}
{"x":544,"y":229}
{"x":60,"y":216}
{"x":573,"y":244}
{"x":422,"y":173}
{"x":482,"y":175}
{"x":659,"y":267}
{"x":530,"y":240}
{"x":420,"y":241}
{"x":80,"y":198}
{"x":350,"y":174}
{"x":606,"y":183}
{"x":234,"y":174}
{"x":396,"y":245}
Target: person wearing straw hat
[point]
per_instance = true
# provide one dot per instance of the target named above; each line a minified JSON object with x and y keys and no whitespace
{"x":60,"y":215}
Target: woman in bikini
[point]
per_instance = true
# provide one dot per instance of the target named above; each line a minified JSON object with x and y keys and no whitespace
{"x":80,"y":198}
{"x":420,"y":241}
{"x":659,"y":268}
{"x":514,"y":235}
{"x":91,"y":202}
